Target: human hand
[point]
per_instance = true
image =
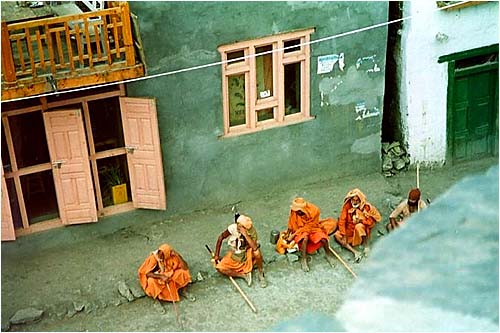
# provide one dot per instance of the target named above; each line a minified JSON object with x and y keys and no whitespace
{"x":242,"y":230}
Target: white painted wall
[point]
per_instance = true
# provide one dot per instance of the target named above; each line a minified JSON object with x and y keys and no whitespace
{"x":424,"y":81}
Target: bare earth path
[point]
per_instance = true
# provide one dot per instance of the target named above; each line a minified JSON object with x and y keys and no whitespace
{"x":72,"y":273}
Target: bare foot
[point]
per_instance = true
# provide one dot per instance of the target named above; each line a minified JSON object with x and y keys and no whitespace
{"x":305,"y":266}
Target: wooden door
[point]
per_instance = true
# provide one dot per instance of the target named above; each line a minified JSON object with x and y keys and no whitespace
{"x":8,"y":232}
{"x":142,"y":140}
{"x":474,"y":108}
{"x":70,"y":166}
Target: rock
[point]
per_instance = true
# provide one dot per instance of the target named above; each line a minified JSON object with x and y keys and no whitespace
{"x":292,"y":257}
{"x":137,"y":290}
{"x":385,"y":147}
{"x":399,"y":164}
{"x":71,"y":313}
{"x":89,"y":307}
{"x":386,"y":164}
{"x":117,"y":301}
{"x":78,"y":306}
{"x":393,"y":145}
{"x":27,"y":315}
{"x":124,"y":290}
{"x":199,"y":277}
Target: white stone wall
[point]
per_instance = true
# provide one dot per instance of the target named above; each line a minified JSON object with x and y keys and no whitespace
{"x":424,"y":81}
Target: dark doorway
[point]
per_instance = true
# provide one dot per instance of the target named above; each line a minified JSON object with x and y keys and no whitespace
{"x":391,"y":119}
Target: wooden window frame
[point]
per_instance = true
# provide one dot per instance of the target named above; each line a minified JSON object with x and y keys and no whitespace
{"x":247,"y":66}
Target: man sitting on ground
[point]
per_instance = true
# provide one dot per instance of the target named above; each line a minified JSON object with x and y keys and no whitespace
{"x":305,"y":228}
{"x":243,"y":251}
{"x":405,"y":209}
{"x":164,"y":274}
{"x":356,"y":220}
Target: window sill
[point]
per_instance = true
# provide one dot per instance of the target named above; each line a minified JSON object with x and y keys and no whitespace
{"x":268,"y":125}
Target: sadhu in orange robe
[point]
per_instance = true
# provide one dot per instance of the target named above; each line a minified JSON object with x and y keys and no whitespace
{"x":366,"y":214}
{"x":311,"y":227}
{"x":243,"y":261}
{"x":157,"y":288}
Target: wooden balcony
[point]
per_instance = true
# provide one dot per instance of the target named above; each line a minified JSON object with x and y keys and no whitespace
{"x":64,"y":52}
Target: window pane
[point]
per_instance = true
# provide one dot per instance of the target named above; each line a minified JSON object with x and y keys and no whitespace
{"x":292,"y":88}
{"x":14,"y":204}
{"x":5,"y":154}
{"x":288,"y":45}
{"x":265,"y":114}
{"x":106,"y":122}
{"x":25,"y":130}
{"x":40,"y":196}
{"x":113,"y":171}
{"x":264,"y":68}
{"x":235,"y":55}
{"x":236,"y":92}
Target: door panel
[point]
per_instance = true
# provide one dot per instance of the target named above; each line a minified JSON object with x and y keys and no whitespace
{"x":8,"y":232}
{"x":72,"y":180}
{"x":473,"y":115}
{"x":141,"y":134}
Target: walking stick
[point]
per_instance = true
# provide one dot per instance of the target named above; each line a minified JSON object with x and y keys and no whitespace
{"x":235,"y":284}
{"x":175,"y":307}
{"x":418,"y":184}
{"x":343,"y":262}
{"x":243,"y":294}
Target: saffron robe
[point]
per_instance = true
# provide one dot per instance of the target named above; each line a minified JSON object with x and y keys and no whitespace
{"x":309,"y":226}
{"x":157,"y":288}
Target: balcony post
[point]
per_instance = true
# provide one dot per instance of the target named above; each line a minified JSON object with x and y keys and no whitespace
{"x":127,"y":34}
{"x":8,"y":68}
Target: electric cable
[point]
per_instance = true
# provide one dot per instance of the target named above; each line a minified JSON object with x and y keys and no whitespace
{"x":218,"y":63}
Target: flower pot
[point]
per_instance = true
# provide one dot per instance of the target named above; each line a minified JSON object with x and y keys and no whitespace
{"x":119,"y":193}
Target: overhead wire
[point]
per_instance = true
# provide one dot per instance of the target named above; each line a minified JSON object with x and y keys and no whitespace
{"x":218,"y":63}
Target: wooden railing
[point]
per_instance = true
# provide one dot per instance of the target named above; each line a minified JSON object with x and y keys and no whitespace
{"x":52,"y":50}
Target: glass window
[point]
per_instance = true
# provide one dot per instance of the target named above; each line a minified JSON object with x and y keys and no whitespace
{"x":264,"y":71}
{"x":14,"y":204}
{"x":289,"y":45}
{"x":269,"y":88}
{"x":106,"y":122}
{"x":113,"y":171}
{"x":235,"y":55}
{"x":27,"y":153}
{"x":7,"y":167}
{"x":265,"y":114}
{"x":40,"y":196}
{"x":292,"y":88}
{"x":236,"y":99}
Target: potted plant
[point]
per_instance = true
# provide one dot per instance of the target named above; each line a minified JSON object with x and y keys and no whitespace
{"x":115,"y":184}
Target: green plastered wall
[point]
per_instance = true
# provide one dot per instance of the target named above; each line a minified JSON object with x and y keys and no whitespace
{"x":201,"y":168}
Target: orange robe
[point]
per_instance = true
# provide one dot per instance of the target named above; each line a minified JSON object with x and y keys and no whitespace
{"x":157,"y":288}
{"x":355,"y":232}
{"x":309,"y":226}
{"x":241,"y":263}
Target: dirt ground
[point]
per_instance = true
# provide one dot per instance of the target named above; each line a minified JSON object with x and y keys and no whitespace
{"x":79,"y":267}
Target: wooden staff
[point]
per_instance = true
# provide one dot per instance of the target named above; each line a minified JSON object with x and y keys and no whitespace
{"x":235,"y":284}
{"x":418,"y":175}
{"x":418,"y":184}
{"x":175,"y":307}
{"x":243,"y":294}
{"x":343,"y":262}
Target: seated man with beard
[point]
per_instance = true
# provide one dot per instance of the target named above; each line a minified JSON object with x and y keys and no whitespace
{"x":356,"y":220}
{"x":405,"y":209}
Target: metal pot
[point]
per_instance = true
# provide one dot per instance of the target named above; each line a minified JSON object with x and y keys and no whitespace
{"x":275,"y":234}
